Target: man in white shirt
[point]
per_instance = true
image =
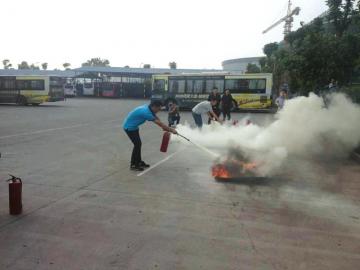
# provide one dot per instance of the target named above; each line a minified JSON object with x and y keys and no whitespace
{"x":280,"y":101}
{"x":202,"y":108}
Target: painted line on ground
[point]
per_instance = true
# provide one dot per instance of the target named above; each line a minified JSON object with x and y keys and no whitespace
{"x":159,"y":163}
{"x":42,"y":131}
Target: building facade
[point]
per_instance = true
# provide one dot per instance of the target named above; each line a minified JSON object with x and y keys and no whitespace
{"x":240,"y":64}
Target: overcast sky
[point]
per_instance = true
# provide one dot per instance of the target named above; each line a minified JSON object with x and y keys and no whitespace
{"x":193,"y":33}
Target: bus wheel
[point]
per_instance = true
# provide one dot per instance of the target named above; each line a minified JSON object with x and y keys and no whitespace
{"x":35,"y":104}
{"x":22,"y":101}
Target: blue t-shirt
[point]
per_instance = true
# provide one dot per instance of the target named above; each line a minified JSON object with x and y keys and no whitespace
{"x":137,"y":117}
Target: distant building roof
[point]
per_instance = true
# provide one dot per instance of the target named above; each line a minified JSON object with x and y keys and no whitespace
{"x":125,"y":70}
{"x":35,"y":72}
{"x":83,"y":71}
{"x":242,"y":60}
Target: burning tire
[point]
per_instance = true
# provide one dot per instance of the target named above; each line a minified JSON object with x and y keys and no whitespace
{"x":233,"y":169}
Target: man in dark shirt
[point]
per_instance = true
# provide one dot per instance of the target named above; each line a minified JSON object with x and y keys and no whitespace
{"x":227,"y":103}
{"x":214,"y":95}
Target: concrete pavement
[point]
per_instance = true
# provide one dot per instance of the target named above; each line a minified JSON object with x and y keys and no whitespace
{"x":83,"y":208}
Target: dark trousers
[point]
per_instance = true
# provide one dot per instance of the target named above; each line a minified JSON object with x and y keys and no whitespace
{"x":197,"y":119}
{"x":226,"y":113}
{"x":136,"y":152}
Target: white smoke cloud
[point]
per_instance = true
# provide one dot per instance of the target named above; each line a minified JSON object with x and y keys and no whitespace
{"x":305,"y":127}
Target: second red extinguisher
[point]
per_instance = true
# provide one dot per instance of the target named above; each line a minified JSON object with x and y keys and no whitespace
{"x":15,"y":190}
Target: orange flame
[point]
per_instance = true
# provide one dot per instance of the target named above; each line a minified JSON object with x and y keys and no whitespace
{"x":220,"y":171}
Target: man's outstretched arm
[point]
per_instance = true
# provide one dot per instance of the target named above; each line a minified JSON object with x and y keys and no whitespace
{"x":165,"y":127}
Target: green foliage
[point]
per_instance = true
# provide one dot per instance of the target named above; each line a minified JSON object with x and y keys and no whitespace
{"x":146,"y":66}
{"x":340,"y":14}
{"x":6,"y":64}
{"x":34,"y":67}
{"x":96,"y":62}
{"x":66,"y":66}
{"x":252,"y":68}
{"x":23,"y":65}
{"x":173,"y":65}
{"x":270,"y":48}
{"x":317,"y":52}
{"x":44,"y":66}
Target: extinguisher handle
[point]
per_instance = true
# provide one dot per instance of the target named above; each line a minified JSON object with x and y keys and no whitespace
{"x":14,"y":178}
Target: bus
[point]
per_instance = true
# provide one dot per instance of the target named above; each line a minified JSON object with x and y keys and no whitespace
{"x":69,"y":90}
{"x":88,"y":89}
{"x":109,"y":89}
{"x":251,"y":91}
{"x":24,"y":90}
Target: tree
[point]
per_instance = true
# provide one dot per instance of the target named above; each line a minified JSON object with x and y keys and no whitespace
{"x":146,"y":66}
{"x":126,"y":66}
{"x":34,"y":67}
{"x":66,"y":66}
{"x":44,"y":66}
{"x":270,"y":48}
{"x":23,"y":65}
{"x":173,"y":65}
{"x":96,"y":62}
{"x":252,"y":68}
{"x":6,"y":63}
{"x":340,"y":14}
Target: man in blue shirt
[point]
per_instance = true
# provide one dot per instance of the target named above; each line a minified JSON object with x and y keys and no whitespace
{"x":134,"y":119}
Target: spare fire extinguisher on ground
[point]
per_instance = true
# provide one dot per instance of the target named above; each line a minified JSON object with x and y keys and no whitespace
{"x":15,"y":190}
{"x":165,"y":142}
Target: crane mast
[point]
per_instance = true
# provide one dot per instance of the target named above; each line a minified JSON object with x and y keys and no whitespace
{"x":288,"y":19}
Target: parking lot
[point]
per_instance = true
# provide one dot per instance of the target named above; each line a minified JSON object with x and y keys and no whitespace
{"x":84,"y":208}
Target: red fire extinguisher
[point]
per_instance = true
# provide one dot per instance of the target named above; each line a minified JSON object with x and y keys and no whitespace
{"x":165,"y":142}
{"x":15,"y":188}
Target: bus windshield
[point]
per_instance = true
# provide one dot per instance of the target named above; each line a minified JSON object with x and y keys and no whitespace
{"x":246,"y":86}
{"x":159,"y":85}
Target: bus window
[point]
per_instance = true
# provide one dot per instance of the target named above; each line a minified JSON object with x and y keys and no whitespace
{"x":211,"y":84}
{"x":177,"y":86}
{"x":159,"y":85}
{"x":246,"y":86}
{"x":194,"y":86}
{"x":136,"y":80}
{"x":7,"y":84}
{"x":37,"y":85}
{"x":257,"y":84}
{"x":30,"y":84}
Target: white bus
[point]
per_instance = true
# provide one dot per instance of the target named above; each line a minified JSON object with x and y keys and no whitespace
{"x":69,"y":90}
{"x":24,"y":90}
{"x":251,"y":91}
{"x":88,"y":89}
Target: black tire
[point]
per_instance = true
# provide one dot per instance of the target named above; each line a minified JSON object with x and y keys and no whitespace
{"x":22,"y":101}
{"x":35,"y":104}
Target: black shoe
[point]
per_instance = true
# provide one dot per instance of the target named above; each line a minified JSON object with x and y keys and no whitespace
{"x":136,"y":168}
{"x":143,"y":164}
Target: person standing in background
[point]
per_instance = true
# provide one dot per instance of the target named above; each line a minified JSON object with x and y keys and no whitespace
{"x":227,"y":103}
{"x":280,"y":101}
{"x":174,"y":115}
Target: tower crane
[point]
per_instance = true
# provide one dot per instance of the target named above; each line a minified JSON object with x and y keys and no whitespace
{"x":288,"y":19}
